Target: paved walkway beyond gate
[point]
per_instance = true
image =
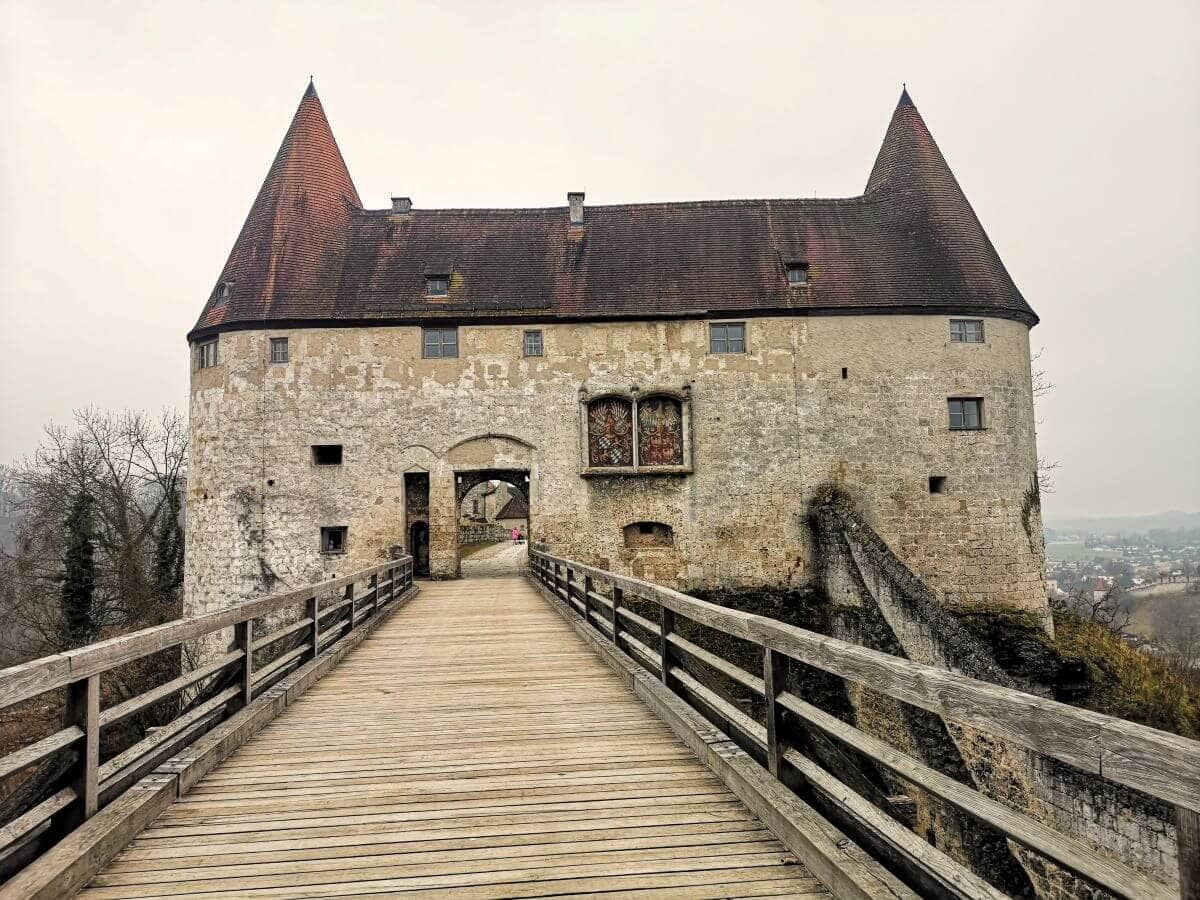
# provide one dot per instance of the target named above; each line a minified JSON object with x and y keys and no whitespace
{"x":474,"y":747}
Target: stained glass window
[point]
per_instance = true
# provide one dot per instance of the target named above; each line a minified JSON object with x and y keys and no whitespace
{"x":610,"y":432}
{"x":660,"y":432}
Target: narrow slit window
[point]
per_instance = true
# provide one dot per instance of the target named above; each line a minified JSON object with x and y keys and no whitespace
{"x":966,"y":413}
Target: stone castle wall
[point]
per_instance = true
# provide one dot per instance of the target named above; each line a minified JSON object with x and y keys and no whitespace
{"x":767,"y":427}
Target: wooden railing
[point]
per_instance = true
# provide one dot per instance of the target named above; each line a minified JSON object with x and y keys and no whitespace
{"x":203,"y":697}
{"x":1163,"y":765}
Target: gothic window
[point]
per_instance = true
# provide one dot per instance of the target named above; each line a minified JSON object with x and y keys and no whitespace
{"x":610,"y":432}
{"x":660,"y":432}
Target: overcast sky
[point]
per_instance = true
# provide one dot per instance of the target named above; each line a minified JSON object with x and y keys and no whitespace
{"x":135,"y":137}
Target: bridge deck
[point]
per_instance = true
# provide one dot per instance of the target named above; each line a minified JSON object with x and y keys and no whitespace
{"x":472,"y":746}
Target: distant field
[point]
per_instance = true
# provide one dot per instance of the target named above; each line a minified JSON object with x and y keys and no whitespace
{"x":1076,"y":550}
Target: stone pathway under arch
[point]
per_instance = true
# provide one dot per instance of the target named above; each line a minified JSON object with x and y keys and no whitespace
{"x":500,"y":560}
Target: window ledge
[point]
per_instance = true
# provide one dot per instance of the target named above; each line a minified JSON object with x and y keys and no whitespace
{"x":601,"y":471}
{"x":333,"y":552}
{"x":982,"y":428}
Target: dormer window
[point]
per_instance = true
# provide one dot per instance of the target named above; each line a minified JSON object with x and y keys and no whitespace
{"x":437,"y":285}
{"x":222,"y":292}
{"x":797,"y":274}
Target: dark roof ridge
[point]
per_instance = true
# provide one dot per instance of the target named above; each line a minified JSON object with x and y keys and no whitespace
{"x":910,"y":242}
{"x":653,"y":204}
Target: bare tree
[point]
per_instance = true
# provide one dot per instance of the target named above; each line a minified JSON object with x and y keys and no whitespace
{"x":1107,"y":608}
{"x":131,"y":469}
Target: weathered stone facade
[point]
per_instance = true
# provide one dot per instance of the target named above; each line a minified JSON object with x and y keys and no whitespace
{"x":768,"y":426}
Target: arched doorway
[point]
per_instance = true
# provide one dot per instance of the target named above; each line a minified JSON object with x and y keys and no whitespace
{"x":493,"y":524}
{"x":418,"y":546}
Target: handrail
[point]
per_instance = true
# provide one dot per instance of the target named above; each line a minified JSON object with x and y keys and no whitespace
{"x":1162,"y":765}
{"x":261,"y":661}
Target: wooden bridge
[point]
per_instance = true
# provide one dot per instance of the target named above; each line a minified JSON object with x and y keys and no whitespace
{"x":488,"y":738}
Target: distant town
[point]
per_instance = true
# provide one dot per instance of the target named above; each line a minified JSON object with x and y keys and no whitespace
{"x":1147,"y":580}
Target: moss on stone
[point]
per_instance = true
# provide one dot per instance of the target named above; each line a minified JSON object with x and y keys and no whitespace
{"x":1122,"y":681}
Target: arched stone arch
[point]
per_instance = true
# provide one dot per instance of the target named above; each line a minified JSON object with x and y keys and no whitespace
{"x":491,"y":451}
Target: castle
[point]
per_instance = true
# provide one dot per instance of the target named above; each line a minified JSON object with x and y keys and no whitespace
{"x":669,"y":384}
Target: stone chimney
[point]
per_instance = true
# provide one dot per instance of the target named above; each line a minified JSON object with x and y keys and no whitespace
{"x":575,"y":201}
{"x":402,"y":204}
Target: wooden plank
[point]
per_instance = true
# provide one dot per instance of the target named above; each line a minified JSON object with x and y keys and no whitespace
{"x":133,"y":705}
{"x":531,"y":766}
{"x":39,"y":750}
{"x":1163,"y":765}
{"x":65,"y":867}
{"x":1069,"y":853}
{"x":38,"y":676}
{"x":836,"y":860}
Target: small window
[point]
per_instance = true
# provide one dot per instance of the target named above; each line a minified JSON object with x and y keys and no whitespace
{"x":966,"y":331}
{"x":797,"y":274}
{"x":222,"y":292}
{"x":437,"y":285}
{"x":648,"y":534}
{"x":327,"y":454}
{"x":937,"y":484}
{"x":440,"y":343}
{"x":966,"y":413}
{"x":727,"y":337}
{"x":279,"y":350}
{"x":206,"y":354}
{"x":333,"y":539}
{"x":533,"y":343}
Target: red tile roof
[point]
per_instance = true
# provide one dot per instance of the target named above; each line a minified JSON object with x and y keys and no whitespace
{"x":310,"y":255}
{"x":515,"y":508}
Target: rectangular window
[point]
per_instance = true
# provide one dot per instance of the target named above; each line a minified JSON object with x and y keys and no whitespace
{"x":797,"y":274}
{"x":327,"y":454}
{"x":533,"y":343}
{"x":437,"y":285}
{"x":966,"y":331}
{"x":966,"y":413}
{"x":279,"y":350}
{"x":333,"y":539}
{"x":440,"y":343}
{"x":206,"y":354}
{"x":727,"y":337}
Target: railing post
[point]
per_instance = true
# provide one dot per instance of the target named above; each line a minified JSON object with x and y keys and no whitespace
{"x":666,"y":627}
{"x":617,"y":596}
{"x":587,"y":599}
{"x":773,"y":669}
{"x":314,"y":612}
{"x":243,"y":638}
{"x":391,"y":574}
{"x":83,"y":710}
{"x":554,"y":587}
{"x":350,"y":596}
{"x":570,"y":583}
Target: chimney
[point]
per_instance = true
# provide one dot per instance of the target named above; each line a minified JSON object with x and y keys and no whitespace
{"x":402,"y":204}
{"x":575,"y":201}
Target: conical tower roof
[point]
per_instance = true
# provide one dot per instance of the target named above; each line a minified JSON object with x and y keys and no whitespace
{"x":292,"y":244}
